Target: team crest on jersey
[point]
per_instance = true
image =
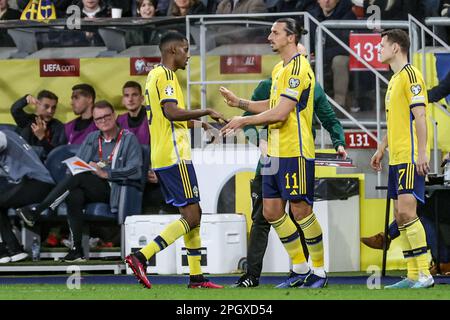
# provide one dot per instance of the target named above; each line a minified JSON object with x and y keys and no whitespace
{"x":169,"y":90}
{"x":416,"y":89}
{"x":294,"y":83}
{"x":195,"y":191}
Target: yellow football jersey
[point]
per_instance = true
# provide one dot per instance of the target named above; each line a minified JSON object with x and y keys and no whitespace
{"x":293,"y":137}
{"x":169,"y":140}
{"x":406,"y":90}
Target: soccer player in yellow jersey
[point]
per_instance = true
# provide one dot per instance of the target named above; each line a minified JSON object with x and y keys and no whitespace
{"x":171,"y":159}
{"x":289,"y":175}
{"x":406,"y":101}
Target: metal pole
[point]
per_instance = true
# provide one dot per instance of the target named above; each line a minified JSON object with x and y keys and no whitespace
{"x":307,"y":25}
{"x":378,"y":103}
{"x":188,"y":71}
{"x":435,"y":144}
{"x":322,"y":137}
{"x":319,"y":57}
{"x":424,"y":61}
{"x":202,"y":64}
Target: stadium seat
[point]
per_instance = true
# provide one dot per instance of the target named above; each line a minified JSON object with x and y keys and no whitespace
{"x":8,"y":126}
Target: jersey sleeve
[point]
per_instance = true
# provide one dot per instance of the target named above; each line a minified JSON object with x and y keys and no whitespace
{"x":415,"y":90}
{"x":293,"y":81}
{"x":166,"y":87}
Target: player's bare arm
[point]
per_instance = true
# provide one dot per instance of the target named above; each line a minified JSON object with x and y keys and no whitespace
{"x":247,"y":105}
{"x":278,"y":114}
{"x":173,"y":113}
{"x":375,"y":162}
{"x":422,"y":163}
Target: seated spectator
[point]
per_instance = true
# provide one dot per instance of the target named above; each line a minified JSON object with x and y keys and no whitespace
{"x":239,"y":34}
{"x":6,"y":13}
{"x":135,"y":119}
{"x":398,"y":9}
{"x":335,"y":57}
{"x":117,"y":157}
{"x":82,"y":101}
{"x":295,"y":5}
{"x":26,"y":181}
{"x":41,"y":130}
{"x":146,"y":34}
{"x":183,"y":8}
{"x":146,"y":8}
{"x":93,"y":9}
{"x":241,"y":6}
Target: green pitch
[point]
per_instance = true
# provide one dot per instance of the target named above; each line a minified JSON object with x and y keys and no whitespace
{"x":180,"y":292}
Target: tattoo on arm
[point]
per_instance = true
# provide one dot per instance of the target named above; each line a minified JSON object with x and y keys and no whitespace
{"x":243,"y":104}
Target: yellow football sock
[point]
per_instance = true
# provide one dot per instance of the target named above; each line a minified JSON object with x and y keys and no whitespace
{"x":192,"y":242}
{"x":287,"y":231}
{"x":313,"y":237}
{"x":411,"y":264}
{"x":171,"y":233}
{"x":418,"y":242}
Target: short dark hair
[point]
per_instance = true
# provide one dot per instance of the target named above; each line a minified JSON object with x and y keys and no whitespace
{"x":169,"y":37}
{"x":103,"y":104}
{"x":293,"y":27}
{"x":398,"y":36}
{"x":132,"y":84}
{"x":86,"y":90}
{"x":47,"y":94}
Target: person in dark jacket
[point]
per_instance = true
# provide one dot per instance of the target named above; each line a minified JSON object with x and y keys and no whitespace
{"x":23,"y":180}
{"x":6,"y":13}
{"x":441,"y":90}
{"x":183,"y":8}
{"x":116,"y":156}
{"x":335,"y":57}
{"x":41,"y":130}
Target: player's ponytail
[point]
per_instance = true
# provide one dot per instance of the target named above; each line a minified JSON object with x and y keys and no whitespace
{"x":293,"y":27}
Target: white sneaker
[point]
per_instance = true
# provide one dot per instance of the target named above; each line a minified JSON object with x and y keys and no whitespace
{"x":5,"y":259}
{"x":19,"y":256}
{"x":424,"y":282}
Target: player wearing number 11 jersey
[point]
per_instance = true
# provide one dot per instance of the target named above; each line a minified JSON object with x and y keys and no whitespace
{"x":289,"y":174}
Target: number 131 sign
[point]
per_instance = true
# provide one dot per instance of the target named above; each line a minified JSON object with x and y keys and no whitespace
{"x":367,"y":46}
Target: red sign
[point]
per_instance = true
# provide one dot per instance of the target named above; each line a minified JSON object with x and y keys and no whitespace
{"x":367,"y":46}
{"x":359,"y":140}
{"x":60,"y":67}
{"x":142,"y":66}
{"x":240,"y":64}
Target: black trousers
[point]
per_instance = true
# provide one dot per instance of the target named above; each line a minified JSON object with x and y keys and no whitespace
{"x":259,"y":232}
{"x":83,"y":188}
{"x":29,"y":191}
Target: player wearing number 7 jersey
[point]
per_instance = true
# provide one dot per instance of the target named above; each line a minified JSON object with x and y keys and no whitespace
{"x":289,"y":173}
{"x":406,"y":100}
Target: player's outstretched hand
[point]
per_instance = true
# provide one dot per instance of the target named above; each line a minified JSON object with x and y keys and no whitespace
{"x":375,"y":162}
{"x":229,"y":97}
{"x":232,"y":126}
{"x":216,"y":116}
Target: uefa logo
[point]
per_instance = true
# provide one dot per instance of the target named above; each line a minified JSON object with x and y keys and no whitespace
{"x":143,"y":65}
{"x":140,"y":66}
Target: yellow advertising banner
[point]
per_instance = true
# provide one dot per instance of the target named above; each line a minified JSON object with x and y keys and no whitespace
{"x":107,"y":76}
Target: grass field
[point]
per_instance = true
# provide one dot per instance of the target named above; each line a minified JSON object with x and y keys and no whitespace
{"x":180,"y":292}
